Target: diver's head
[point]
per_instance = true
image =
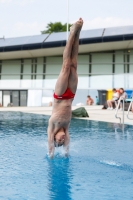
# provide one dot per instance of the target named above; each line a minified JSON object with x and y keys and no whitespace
{"x":59,"y":138}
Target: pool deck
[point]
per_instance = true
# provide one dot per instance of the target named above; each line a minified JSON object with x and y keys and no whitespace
{"x":95,"y":113}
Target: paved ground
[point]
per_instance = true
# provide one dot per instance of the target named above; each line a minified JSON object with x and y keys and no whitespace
{"x":95,"y":113}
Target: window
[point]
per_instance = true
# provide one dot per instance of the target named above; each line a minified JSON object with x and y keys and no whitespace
{"x":128,"y":63}
{"x":34,"y":68}
{"x":113,"y":69}
{"x":44,"y":67}
{"x":101,"y":69}
{"x":22,"y":69}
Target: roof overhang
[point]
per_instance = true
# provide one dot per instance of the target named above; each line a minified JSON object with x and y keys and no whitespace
{"x":97,"y":40}
{"x":58,"y":51}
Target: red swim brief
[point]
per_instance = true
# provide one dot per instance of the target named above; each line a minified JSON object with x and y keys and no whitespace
{"x":67,"y":95}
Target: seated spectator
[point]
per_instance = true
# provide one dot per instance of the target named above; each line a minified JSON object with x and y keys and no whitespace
{"x":50,"y":104}
{"x":0,"y":105}
{"x":114,"y":99}
{"x":123,"y":95}
{"x":89,"y":101}
{"x":97,"y":101}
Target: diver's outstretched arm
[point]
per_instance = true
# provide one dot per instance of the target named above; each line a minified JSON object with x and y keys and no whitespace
{"x":66,"y":143}
{"x":51,"y":146}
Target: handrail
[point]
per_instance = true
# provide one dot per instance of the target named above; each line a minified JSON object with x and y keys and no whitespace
{"x":129,"y":109}
{"x":118,"y":108}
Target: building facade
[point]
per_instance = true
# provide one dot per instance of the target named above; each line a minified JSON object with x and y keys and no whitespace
{"x":29,"y":66}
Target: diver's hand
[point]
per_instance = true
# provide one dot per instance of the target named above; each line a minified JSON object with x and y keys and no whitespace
{"x":51,"y":155}
{"x":66,"y":154}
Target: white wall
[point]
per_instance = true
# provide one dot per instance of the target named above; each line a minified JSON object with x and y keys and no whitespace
{"x":0,"y":97}
{"x":47,"y":97}
{"x":81,"y":96}
{"x":34,"y":98}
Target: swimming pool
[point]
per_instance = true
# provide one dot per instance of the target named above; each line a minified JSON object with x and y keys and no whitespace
{"x":100,"y":165}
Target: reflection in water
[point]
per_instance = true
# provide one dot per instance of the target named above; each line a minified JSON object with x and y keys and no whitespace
{"x":124,"y":129}
{"x":119,"y":127}
{"x":59,"y":178}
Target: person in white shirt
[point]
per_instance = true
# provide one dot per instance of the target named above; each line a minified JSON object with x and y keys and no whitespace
{"x":114,"y":99}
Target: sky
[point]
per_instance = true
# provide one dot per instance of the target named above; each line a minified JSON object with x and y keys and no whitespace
{"x":29,"y":17}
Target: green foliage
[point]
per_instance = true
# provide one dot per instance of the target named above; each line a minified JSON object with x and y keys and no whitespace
{"x":56,"y":27}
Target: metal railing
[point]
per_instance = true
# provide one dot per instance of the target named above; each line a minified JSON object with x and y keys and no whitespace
{"x":123,"y":106}
{"x":129,"y":109}
{"x":119,"y":102}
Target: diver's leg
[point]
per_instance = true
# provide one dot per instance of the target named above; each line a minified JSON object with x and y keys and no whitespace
{"x":73,"y":77}
{"x":62,"y":82}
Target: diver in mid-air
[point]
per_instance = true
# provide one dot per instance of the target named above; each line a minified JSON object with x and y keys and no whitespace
{"x":65,"y":90}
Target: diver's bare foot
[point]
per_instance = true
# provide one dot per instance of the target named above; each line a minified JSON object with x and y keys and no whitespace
{"x":76,"y":27}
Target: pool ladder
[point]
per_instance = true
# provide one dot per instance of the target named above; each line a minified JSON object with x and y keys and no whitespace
{"x":129,"y":109}
{"x":123,"y":110}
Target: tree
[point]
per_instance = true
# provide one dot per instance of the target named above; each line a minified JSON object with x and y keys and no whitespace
{"x":56,"y":27}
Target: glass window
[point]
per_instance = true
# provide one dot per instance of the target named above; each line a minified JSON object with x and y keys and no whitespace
{"x":10,"y":76}
{"x":34,"y":68}
{"x":101,"y":69}
{"x":50,"y":81}
{"x":53,"y":65}
{"x":83,"y":82}
{"x":119,"y":70}
{"x":53,"y":68}
{"x":83,"y":64}
{"x":22,"y":68}
{"x":38,"y":83}
{"x":83,"y":70}
{"x":101,"y":81}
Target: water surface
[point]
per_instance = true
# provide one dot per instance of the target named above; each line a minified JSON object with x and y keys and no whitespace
{"x":100,"y":165}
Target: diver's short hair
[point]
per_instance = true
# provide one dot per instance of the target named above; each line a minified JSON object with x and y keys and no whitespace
{"x":57,"y":145}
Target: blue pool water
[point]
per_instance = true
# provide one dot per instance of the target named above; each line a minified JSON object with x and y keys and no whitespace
{"x":100,"y":165}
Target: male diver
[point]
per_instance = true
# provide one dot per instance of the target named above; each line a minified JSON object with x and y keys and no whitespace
{"x":65,"y":90}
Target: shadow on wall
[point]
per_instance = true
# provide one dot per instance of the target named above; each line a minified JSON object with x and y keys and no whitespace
{"x":81,"y":96}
